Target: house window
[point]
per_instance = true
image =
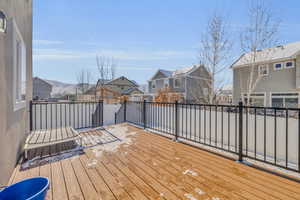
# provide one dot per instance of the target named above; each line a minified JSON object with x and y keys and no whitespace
{"x":263,"y":70}
{"x":177,"y":83}
{"x":19,"y":69}
{"x":289,"y":64}
{"x":153,"y":84}
{"x":277,"y":66}
{"x":166,"y":83}
{"x":256,"y":99}
{"x":289,"y":100}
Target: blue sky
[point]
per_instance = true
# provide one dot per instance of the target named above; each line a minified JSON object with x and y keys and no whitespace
{"x":142,"y":35}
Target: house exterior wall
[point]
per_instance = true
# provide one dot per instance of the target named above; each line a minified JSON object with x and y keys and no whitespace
{"x":195,"y":90}
{"x":41,"y":89}
{"x":14,"y":125}
{"x":279,"y":81}
{"x":191,"y":86}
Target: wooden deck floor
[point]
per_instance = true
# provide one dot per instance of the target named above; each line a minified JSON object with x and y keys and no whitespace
{"x":148,"y":166}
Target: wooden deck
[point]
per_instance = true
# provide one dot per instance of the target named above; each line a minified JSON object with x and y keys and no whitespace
{"x":149,"y":166}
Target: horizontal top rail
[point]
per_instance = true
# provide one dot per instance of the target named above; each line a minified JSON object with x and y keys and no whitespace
{"x":65,"y":102}
{"x":219,"y":105}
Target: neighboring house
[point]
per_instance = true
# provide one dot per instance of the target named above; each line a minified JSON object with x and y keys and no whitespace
{"x":192,"y":83}
{"x":224,"y":96}
{"x":277,"y":74}
{"x":88,"y":95}
{"x":41,"y":89}
{"x":112,"y":90}
{"x":133,"y":94}
{"x":15,"y":81}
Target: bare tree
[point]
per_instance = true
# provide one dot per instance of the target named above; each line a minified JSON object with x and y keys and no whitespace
{"x":84,"y":77}
{"x":215,"y":49}
{"x":256,"y":39}
{"x":106,"y":67}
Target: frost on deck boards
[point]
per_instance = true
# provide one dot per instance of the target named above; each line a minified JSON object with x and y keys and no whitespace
{"x":144,"y":165}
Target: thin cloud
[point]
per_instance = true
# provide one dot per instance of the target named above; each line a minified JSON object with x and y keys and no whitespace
{"x":59,"y":54}
{"x":47,"y":42}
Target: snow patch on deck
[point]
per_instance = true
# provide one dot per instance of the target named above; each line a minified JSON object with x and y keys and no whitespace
{"x":190,"y":196}
{"x":199,"y":191}
{"x":191,"y":172}
{"x":124,"y":139}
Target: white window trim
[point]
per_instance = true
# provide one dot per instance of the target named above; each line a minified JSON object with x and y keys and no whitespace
{"x":174,"y":84}
{"x":289,"y":67}
{"x":271,"y":93}
{"x":276,"y":69}
{"x":264,"y":97}
{"x":260,"y":66}
{"x":16,"y":33}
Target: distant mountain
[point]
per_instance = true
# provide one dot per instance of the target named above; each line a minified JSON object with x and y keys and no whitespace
{"x":61,"y":88}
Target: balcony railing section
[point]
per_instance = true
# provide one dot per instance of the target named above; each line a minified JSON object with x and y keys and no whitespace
{"x":78,"y":115}
{"x":267,"y":134}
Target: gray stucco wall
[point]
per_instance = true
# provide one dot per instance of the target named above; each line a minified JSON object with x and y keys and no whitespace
{"x":14,"y":125}
{"x":280,"y":81}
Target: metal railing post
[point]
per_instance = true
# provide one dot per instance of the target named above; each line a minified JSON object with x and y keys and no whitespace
{"x":176,"y":120}
{"x":240,"y":131}
{"x":30,"y":116}
{"x":115,"y":118}
{"x":125,"y":111}
{"x":144,"y":114}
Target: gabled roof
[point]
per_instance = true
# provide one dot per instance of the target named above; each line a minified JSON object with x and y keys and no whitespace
{"x":184,"y":70}
{"x":121,"y":77}
{"x":37,"y":78}
{"x":166,"y":73}
{"x":287,"y":51}
{"x":130,"y":90}
{"x":178,"y":72}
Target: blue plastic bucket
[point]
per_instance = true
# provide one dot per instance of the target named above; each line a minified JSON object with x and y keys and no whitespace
{"x":28,"y":189}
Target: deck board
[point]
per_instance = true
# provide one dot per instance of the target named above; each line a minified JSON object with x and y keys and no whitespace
{"x":154,"y":167}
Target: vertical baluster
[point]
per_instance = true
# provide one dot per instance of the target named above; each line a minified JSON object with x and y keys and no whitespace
{"x":275,"y":136}
{"x":286,"y":138}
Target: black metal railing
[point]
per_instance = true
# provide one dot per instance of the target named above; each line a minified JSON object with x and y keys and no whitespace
{"x":120,"y":115}
{"x":267,"y":134}
{"x":50,"y":115}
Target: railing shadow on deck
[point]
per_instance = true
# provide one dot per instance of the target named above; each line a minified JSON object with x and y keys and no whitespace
{"x":269,"y":135}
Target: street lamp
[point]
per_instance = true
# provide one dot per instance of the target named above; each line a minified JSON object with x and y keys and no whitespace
{"x":2,"y":22}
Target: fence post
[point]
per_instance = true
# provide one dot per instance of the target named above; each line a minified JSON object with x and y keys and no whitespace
{"x":125,"y":111}
{"x":240,"y":131}
{"x":30,"y":116}
{"x":176,"y":120}
{"x":102,"y":116}
{"x":115,"y":118}
{"x":100,"y":110}
{"x":144,"y":114}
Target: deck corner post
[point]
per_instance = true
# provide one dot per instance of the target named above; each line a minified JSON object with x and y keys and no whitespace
{"x":176,"y":120}
{"x":115,"y":118}
{"x":125,"y":110}
{"x":144,"y":114}
{"x":30,"y":116}
{"x":240,"y":131}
